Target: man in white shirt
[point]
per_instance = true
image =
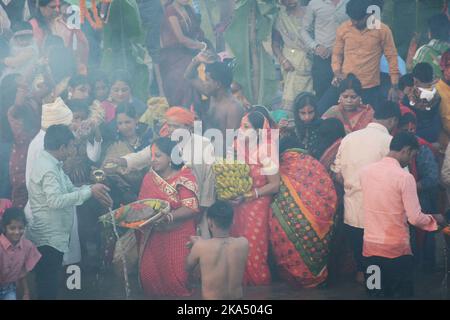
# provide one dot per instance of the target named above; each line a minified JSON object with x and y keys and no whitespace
{"x":357,"y":150}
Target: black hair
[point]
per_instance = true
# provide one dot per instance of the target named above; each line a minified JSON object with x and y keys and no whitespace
{"x":387,"y":110}
{"x":39,"y":17}
{"x":79,"y":105}
{"x":57,"y":136}
{"x":408,"y":117}
{"x":126,"y":108}
{"x":221,"y":212}
{"x":11,"y":214}
{"x":256,"y":119}
{"x":166,"y":145}
{"x":357,"y":9}
{"x":439,"y":27}
{"x":121,"y":75}
{"x":423,"y":72}
{"x":379,"y":3}
{"x":330,"y":130}
{"x":220,"y":72}
{"x":402,"y":140}
{"x":302,"y":100}
{"x":77,"y":80}
{"x":406,"y":80}
{"x":265,"y":112}
{"x":351,"y":83}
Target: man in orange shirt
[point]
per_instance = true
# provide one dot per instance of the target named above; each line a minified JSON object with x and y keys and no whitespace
{"x":360,"y":44}
{"x":390,"y":202}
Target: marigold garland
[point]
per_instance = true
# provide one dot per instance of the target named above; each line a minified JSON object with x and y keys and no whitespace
{"x":95,"y":22}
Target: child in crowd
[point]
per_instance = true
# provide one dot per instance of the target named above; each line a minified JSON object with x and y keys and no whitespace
{"x":18,"y":255}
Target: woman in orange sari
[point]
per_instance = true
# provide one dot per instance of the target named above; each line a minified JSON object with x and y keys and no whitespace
{"x":350,"y":110}
{"x":252,"y":211}
{"x":163,"y":250}
{"x":301,"y":226}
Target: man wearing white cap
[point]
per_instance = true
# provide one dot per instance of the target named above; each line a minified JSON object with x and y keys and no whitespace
{"x":52,"y":114}
{"x":53,"y":199}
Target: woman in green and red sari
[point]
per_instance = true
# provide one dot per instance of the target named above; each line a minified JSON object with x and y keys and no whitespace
{"x":163,"y":250}
{"x":252,"y":212}
{"x":350,"y":110}
{"x":301,"y":226}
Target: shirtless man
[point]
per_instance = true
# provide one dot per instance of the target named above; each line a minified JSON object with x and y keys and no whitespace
{"x":225,"y":111}
{"x":222,"y":259}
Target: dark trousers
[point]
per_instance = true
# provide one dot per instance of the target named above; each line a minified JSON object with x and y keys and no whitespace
{"x":355,"y":236}
{"x":48,"y":272}
{"x":397,"y":276}
{"x":330,"y":98}
{"x":322,"y":75}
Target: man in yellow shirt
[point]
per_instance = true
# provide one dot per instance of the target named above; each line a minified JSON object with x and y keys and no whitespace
{"x":443,"y":87}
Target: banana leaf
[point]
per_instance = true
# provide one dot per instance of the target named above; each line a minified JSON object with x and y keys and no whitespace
{"x":238,"y":39}
{"x":123,"y":45}
{"x":137,"y":214}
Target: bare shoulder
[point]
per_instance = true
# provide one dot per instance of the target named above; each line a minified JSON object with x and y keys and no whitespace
{"x":242,"y":241}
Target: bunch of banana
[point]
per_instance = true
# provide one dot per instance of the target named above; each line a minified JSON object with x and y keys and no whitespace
{"x":232,"y":179}
{"x":157,"y":107}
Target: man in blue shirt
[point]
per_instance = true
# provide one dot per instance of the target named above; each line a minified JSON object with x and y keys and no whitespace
{"x":53,"y":200}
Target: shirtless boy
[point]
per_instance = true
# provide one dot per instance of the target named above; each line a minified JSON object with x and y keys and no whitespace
{"x":222,"y":258}
{"x":225,"y":111}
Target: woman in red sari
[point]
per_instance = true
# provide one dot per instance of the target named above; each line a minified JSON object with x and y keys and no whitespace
{"x":163,"y":250}
{"x":350,"y":110}
{"x":252,"y":211}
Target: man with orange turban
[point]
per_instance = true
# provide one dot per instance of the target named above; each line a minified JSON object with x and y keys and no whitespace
{"x":177,"y":118}
{"x":181,"y":118}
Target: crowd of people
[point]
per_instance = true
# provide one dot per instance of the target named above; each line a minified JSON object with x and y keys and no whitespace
{"x":362,"y":162}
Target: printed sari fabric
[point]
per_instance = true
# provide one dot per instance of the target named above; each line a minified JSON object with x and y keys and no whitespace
{"x":251,"y":220}
{"x":301,"y":226}
{"x":352,"y":121}
{"x":163,"y":253}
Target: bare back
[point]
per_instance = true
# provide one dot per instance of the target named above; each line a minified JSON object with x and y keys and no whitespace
{"x":225,"y":114}
{"x":222,"y":266}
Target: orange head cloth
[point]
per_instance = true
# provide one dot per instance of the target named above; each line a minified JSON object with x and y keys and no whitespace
{"x":180,"y":115}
